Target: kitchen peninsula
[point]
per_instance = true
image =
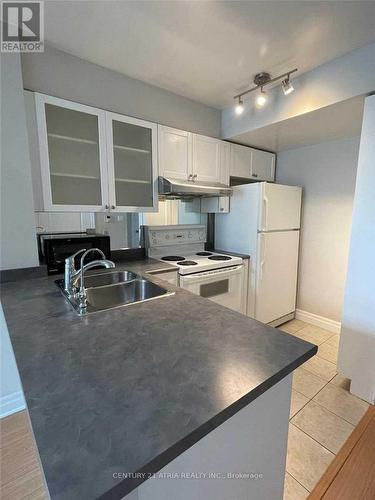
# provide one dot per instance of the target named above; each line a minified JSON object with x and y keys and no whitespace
{"x":166,"y":399}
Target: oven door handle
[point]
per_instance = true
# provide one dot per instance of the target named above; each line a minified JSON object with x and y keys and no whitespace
{"x":217,"y":272}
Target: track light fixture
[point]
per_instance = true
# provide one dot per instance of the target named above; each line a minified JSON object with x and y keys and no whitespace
{"x":261,"y":98}
{"x":260,"y":81}
{"x":239,"y":107}
{"x":287,"y":86}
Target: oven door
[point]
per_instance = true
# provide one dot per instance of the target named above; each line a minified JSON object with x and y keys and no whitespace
{"x":224,"y":286}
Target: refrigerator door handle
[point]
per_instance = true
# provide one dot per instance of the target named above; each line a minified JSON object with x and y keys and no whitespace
{"x":263,"y":255}
{"x":265,"y":214}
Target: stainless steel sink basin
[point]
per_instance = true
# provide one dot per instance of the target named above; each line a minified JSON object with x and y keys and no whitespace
{"x":103,"y":279}
{"x":110,"y":290}
{"x":137,"y":290}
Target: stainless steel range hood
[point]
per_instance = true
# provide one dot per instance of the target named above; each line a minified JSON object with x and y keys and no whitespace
{"x":175,"y":188}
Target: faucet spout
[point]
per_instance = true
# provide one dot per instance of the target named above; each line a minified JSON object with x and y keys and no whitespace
{"x":71,"y":273}
{"x":84,"y":267}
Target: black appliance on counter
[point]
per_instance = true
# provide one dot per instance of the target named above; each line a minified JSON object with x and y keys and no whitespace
{"x":54,"y":248}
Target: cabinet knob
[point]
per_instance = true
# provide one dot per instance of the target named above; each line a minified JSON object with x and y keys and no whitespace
{"x":190,"y":178}
{"x":113,"y":207}
{"x":194,"y":177}
{"x":255,"y":175}
{"x":106,"y":207}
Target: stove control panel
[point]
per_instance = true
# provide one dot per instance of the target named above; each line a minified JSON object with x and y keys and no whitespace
{"x":156,"y":236}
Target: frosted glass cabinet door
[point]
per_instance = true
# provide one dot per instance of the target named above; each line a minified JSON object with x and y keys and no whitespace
{"x":132,"y":164}
{"x":73,"y":164}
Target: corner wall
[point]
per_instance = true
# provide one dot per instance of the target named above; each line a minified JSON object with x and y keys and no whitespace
{"x":327,"y":173}
{"x":356,"y":358}
{"x":18,"y":240}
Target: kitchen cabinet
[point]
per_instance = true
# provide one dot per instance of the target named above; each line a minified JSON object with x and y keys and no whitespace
{"x":72,"y":155}
{"x":132,"y":164}
{"x":206,"y":159}
{"x":220,"y":204}
{"x":192,"y":157}
{"x":92,"y":160}
{"x":240,"y":162}
{"x":263,"y":165}
{"x":250,"y":163}
{"x":174,"y":153}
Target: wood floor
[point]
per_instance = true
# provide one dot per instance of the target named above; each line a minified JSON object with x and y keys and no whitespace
{"x":21,"y":476}
{"x":351,"y":475}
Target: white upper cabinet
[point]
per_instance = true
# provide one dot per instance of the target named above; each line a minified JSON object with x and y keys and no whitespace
{"x":263,"y":165}
{"x":92,"y":160}
{"x":254,"y":164}
{"x":192,"y":157}
{"x":72,"y":155}
{"x":132,"y":163}
{"x":225,"y":148}
{"x":174,"y":153}
{"x":206,"y":159}
{"x":240,"y":163}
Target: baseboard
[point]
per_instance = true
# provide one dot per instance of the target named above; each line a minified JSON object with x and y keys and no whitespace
{"x":321,"y":321}
{"x":11,"y":404}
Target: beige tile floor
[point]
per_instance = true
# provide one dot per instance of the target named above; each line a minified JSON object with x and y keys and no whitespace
{"x":323,"y":413}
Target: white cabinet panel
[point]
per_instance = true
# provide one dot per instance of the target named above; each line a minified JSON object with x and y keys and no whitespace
{"x":240,"y":163}
{"x":263,"y":165}
{"x":174,"y":153}
{"x":132,"y":164}
{"x":92,"y":160}
{"x":206,"y":159}
{"x":250,"y":163}
{"x":225,"y":148}
{"x":72,"y":155}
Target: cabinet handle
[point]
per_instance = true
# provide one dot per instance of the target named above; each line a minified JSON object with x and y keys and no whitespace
{"x":113,"y":207}
{"x":255,"y":175}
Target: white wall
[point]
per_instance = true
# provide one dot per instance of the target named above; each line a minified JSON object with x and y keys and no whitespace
{"x":62,"y":75}
{"x":327,"y":173}
{"x":11,"y":395}
{"x":18,"y":241}
{"x":357,"y":345}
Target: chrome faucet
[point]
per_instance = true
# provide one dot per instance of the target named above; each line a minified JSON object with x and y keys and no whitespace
{"x":108,"y":264}
{"x":71,"y":273}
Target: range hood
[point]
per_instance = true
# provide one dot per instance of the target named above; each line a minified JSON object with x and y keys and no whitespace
{"x":175,"y":188}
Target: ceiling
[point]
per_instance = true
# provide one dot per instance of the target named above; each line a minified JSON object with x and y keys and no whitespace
{"x":207,"y":50}
{"x":341,"y":120}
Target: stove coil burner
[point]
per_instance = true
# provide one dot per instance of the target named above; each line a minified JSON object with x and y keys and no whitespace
{"x":173,"y":258}
{"x":204,"y":254}
{"x":220,"y":257}
{"x":187,"y":263}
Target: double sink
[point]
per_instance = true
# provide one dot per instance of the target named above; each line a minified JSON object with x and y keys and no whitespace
{"x":114,"y":289}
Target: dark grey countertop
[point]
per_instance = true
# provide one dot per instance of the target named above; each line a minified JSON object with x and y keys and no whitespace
{"x":235,"y":254}
{"x":128,"y":390}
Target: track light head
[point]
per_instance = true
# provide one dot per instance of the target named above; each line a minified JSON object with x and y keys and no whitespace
{"x":287,"y":86}
{"x":239,"y":107}
{"x":261,"y":98}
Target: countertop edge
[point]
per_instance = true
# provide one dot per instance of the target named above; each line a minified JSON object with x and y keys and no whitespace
{"x":127,"y":485}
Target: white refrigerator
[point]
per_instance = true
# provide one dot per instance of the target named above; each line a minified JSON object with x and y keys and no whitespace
{"x":264,"y":222}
